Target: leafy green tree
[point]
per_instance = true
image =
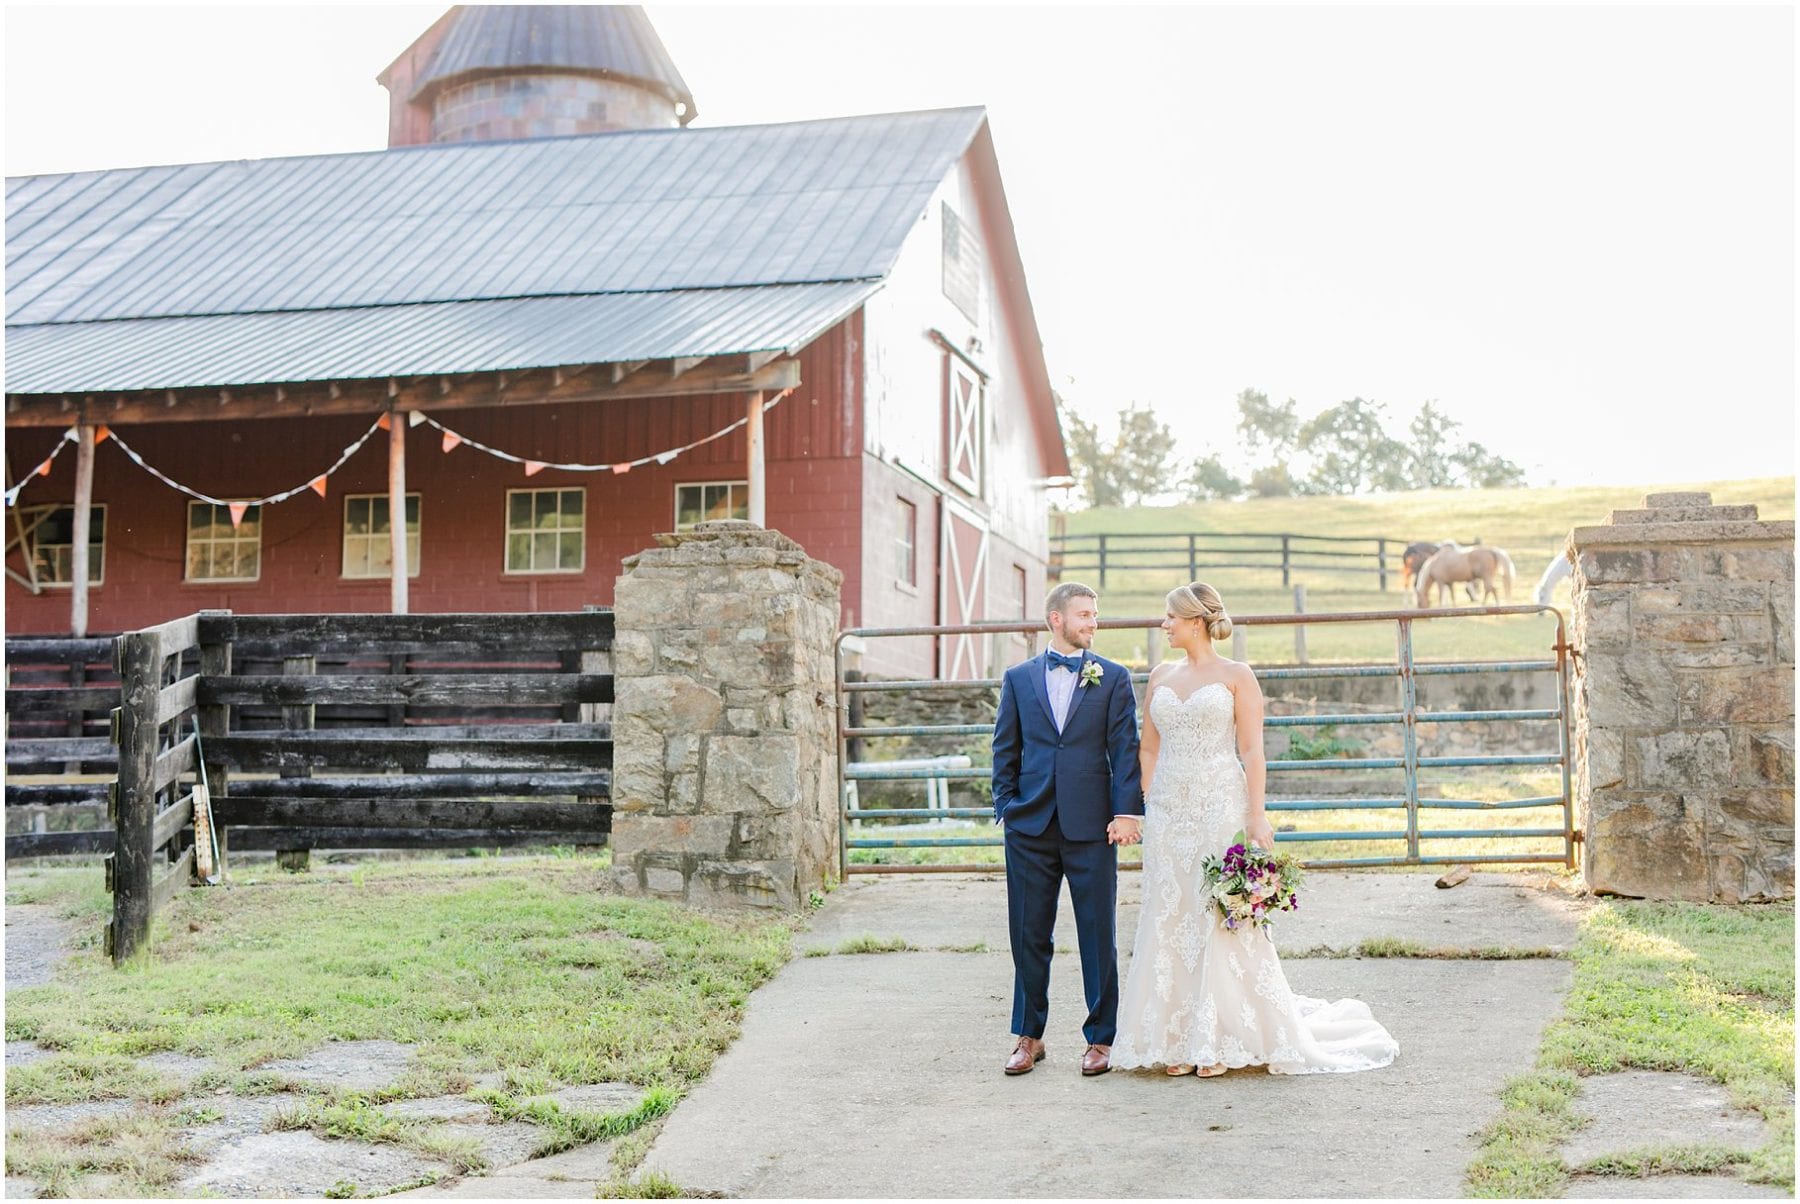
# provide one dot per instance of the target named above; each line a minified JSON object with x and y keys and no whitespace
{"x":1142,"y":451}
{"x":1433,"y":445}
{"x":1267,"y":429}
{"x":1209,"y":480}
{"x":1351,"y":451}
{"x":1481,"y":469}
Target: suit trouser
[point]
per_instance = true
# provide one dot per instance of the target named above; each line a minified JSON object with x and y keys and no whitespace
{"x":1035,"y":868}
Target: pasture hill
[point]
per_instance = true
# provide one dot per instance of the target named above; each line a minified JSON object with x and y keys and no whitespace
{"x":1530,"y":524}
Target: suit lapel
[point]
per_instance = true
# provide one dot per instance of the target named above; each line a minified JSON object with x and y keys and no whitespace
{"x":1042,"y":691}
{"x":1081,"y":693}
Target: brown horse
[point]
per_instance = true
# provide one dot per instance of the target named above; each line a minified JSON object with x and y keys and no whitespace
{"x":1452,"y":564}
{"x":1415,"y":555}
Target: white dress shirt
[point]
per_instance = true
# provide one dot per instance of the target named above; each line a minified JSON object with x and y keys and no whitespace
{"x":1059,"y":680}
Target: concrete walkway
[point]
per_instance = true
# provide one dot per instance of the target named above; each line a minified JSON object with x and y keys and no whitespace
{"x":862,"y":1075}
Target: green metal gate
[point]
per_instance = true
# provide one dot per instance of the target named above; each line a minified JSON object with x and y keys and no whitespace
{"x":867,"y":830}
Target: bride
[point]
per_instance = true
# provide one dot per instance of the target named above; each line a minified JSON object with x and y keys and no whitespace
{"x":1200,"y":998}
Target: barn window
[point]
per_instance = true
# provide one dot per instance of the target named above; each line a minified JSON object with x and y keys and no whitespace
{"x":219,"y":551}
{"x":50,"y":542}
{"x":962,"y":265}
{"x":966,"y":423}
{"x":368,"y":535}
{"x":546,"y":530}
{"x":709,"y":501}
{"x":906,"y":552}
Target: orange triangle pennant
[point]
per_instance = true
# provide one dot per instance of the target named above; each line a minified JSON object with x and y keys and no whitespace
{"x":43,"y":470}
{"x":451,"y":439}
{"x":237,"y":511}
{"x":101,"y":434}
{"x":385,"y":422}
{"x":621,"y":468}
{"x":533,"y":467}
{"x":318,"y":485}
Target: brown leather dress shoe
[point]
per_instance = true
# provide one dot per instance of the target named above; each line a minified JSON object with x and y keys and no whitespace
{"x":1026,"y":1054}
{"x":1097,"y":1060}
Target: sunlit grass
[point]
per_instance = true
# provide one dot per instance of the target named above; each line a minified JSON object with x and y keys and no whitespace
{"x":522,"y":967}
{"x":1659,"y":986}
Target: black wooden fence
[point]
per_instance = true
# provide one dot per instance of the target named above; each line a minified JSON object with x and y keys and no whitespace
{"x":60,"y":695}
{"x":323,"y":732}
{"x":1282,"y":553}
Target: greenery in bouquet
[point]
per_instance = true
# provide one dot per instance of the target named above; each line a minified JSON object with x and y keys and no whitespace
{"x":1249,"y":883}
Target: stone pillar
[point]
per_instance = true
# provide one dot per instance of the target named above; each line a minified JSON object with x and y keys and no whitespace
{"x":1684,"y":701}
{"x":724,"y":720}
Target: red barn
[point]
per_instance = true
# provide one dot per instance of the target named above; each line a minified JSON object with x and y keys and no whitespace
{"x":547,"y":323}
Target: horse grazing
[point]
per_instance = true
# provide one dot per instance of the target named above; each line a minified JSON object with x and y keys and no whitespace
{"x":1452,"y":564}
{"x":1415,"y":555}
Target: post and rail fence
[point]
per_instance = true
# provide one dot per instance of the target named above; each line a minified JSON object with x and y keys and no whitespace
{"x":1095,"y":555}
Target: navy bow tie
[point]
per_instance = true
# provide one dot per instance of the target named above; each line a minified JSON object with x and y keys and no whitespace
{"x":1071,"y":663}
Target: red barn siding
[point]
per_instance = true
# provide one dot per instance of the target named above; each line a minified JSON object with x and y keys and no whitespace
{"x":813,"y":456}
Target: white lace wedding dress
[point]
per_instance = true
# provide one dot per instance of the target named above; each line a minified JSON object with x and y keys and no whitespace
{"x":1197,"y":992}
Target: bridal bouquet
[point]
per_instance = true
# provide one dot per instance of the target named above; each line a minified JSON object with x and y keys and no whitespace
{"x":1249,"y":883}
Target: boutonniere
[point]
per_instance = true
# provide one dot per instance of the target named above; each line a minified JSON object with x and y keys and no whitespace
{"x":1091,"y":674}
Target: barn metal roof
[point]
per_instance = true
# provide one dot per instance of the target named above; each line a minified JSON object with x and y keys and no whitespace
{"x":628,"y":215}
{"x":419,"y":340}
{"x":599,"y":39}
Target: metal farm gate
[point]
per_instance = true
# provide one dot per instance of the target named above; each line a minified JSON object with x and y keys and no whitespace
{"x":903,"y":831}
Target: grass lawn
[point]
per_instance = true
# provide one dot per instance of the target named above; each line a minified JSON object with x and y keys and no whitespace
{"x":518,"y":967}
{"x":1659,"y":986}
{"x":1530,"y":524}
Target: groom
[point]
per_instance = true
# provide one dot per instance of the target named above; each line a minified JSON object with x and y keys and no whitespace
{"x":1066,"y":787}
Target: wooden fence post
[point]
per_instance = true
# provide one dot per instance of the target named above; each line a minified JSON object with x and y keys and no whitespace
{"x":1193,"y":559}
{"x":1102,"y":561}
{"x":139,"y":659}
{"x":1381,"y":563}
{"x":1300,"y":628}
{"x":297,"y":718}
{"x":1284,"y":561}
{"x":215,"y":720}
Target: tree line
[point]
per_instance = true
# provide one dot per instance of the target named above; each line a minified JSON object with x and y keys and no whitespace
{"x":1342,"y":450}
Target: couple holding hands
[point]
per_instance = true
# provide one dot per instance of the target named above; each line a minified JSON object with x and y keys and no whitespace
{"x":1073,"y":780}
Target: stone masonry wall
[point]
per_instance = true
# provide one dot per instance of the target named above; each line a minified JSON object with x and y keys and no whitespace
{"x":724,"y":725}
{"x":1684,"y":701}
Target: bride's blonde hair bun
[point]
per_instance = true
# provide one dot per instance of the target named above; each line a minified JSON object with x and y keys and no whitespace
{"x":1198,"y":600}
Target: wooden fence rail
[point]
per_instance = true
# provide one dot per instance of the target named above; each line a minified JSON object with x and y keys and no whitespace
{"x":1285,"y":552}
{"x":60,"y":693}
{"x":513,"y":746}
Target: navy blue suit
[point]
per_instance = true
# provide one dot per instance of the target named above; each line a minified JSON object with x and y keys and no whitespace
{"x":1056,"y":792}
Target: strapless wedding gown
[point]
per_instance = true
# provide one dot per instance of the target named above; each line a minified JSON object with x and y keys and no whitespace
{"x":1197,"y":991}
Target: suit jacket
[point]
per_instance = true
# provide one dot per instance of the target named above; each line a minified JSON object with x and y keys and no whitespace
{"x":1083,"y":775}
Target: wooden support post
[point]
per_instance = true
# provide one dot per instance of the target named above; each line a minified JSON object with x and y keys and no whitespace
{"x":755,"y":470}
{"x":134,"y":861}
{"x":1300,"y":628}
{"x":1102,"y":559}
{"x":1381,"y":563}
{"x":298,"y":718}
{"x":215,"y":720}
{"x":1193,"y":559}
{"x":1285,"y":561}
{"x":397,"y":510}
{"x":84,"y":518}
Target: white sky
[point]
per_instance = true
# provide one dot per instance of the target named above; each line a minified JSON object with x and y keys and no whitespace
{"x":1574,"y":228}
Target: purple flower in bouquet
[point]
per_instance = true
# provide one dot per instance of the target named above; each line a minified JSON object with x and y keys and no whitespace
{"x":1248,"y":883}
